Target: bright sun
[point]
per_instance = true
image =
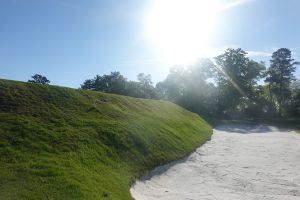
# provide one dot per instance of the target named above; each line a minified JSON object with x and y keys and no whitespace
{"x":181,"y":29}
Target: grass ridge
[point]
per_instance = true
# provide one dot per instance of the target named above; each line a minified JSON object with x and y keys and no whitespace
{"x":63,"y":143}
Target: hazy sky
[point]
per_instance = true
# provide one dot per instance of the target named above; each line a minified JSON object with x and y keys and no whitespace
{"x":72,"y":40}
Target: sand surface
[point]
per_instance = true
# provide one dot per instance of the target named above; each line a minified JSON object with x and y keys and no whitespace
{"x":241,"y":162}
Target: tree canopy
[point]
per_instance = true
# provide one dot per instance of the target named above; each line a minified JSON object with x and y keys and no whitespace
{"x":118,"y":84}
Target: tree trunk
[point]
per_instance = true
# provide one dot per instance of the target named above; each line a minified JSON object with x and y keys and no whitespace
{"x":280,"y":97}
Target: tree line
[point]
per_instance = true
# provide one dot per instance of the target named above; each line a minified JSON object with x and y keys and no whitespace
{"x":230,"y":85}
{"x":116,"y":83}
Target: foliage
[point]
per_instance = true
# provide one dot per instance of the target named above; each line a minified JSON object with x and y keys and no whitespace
{"x":37,"y":78}
{"x":142,"y":88}
{"x":293,"y":108}
{"x":61,"y":143}
{"x":189,"y":87}
{"x":113,"y":83}
{"x":236,"y":80}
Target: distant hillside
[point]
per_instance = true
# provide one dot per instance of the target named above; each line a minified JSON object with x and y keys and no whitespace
{"x":61,"y":143}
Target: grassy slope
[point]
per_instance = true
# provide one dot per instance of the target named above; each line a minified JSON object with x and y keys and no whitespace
{"x":61,"y":143}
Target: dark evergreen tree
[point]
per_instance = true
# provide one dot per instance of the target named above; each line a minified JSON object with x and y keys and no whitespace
{"x":280,"y":75}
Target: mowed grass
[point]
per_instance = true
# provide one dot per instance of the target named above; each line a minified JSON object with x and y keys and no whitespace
{"x":62,"y":143}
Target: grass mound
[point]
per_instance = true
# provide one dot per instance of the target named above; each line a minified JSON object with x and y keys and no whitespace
{"x":62,"y":143}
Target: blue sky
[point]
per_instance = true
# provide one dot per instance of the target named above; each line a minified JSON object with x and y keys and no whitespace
{"x":72,"y":40}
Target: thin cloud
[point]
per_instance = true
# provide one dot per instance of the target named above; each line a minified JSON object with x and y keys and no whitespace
{"x":233,"y":4}
{"x":144,"y":61}
{"x":259,"y":53}
{"x":269,"y":53}
{"x":295,"y":48}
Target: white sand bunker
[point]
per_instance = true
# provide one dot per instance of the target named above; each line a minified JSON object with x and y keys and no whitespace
{"x":239,"y":163}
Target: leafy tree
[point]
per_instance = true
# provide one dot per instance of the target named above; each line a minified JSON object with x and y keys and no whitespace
{"x":133,"y":89}
{"x":236,"y":77}
{"x":113,"y":83}
{"x":189,"y":87}
{"x":280,"y":75}
{"x":147,"y":88}
{"x":37,"y":78}
{"x":145,"y":80}
{"x":142,"y":88}
{"x":172,"y":88}
{"x":88,"y":84}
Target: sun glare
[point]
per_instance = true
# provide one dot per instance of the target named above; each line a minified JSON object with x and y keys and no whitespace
{"x":181,"y":29}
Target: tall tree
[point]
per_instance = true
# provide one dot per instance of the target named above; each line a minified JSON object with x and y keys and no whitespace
{"x":37,"y":78}
{"x":237,"y":76}
{"x":280,"y":75}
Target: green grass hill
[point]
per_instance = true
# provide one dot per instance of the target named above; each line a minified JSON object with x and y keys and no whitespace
{"x":61,"y":143}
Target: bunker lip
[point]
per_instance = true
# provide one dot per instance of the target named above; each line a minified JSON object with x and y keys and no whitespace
{"x":240,"y":162}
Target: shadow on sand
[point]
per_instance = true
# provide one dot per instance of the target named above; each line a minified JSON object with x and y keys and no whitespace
{"x":247,"y":129}
{"x":157,"y":171}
